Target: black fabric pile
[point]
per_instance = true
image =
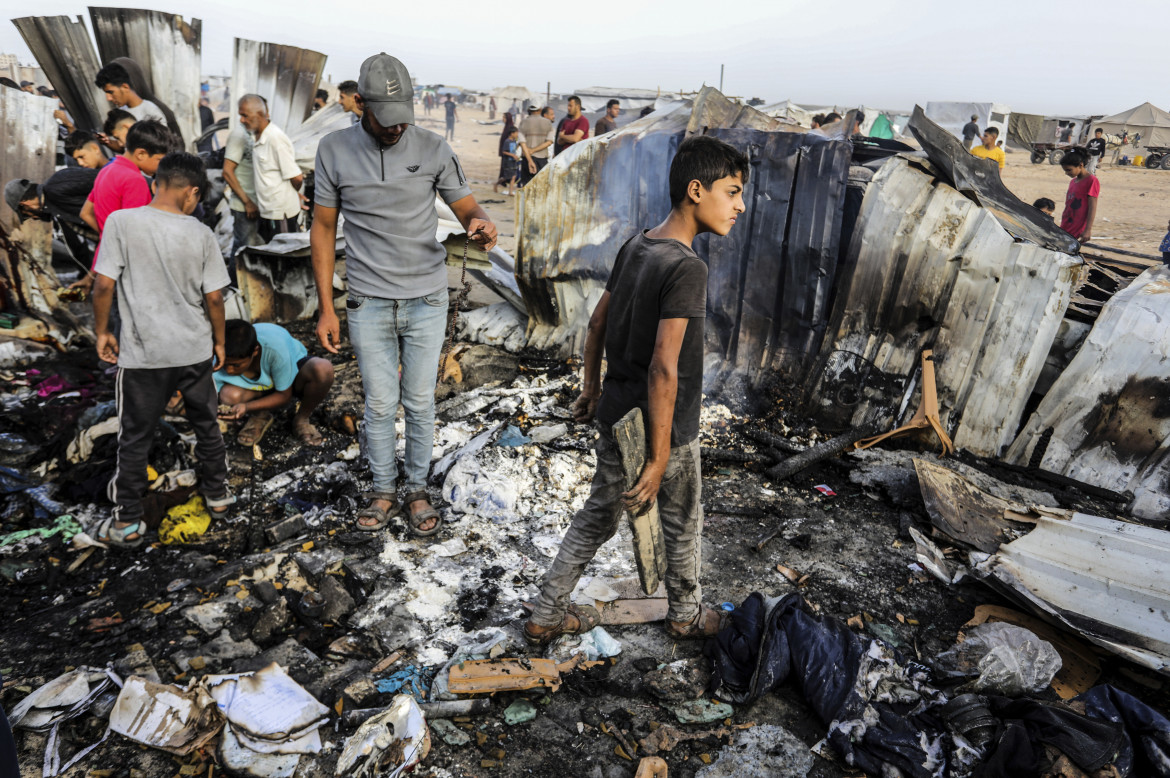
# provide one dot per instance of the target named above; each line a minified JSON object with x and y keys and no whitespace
{"x":884,"y":712}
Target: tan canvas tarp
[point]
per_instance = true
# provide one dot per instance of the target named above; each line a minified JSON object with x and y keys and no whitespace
{"x":1151,"y":121}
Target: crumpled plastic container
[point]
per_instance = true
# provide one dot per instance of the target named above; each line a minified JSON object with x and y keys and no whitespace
{"x":1002,"y":659}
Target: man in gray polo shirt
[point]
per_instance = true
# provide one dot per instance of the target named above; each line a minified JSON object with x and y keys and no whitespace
{"x":382,"y":175}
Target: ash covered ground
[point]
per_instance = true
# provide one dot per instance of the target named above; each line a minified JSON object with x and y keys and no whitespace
{"x":234,"y":599}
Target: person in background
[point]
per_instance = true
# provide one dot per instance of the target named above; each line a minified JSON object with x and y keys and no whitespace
{"x":86,"y":150}
{"x":266,"y":368}
{"x":206,"y":119}
{"x":989,"y":150}
{"x":118,"y":123}
{"x":1165,"y":247}
{"x":452,"y":115}
{"x":646,"y":112}
{"x":1046,"y":207}
{"x":346,"y":98}
{"x":1096,"y":149}
{"x":122,"y":183}
{"x":817,"y":121}
{"x":114,"y":80}
{"x":491,"y":109}
{"x":60,"y":198}
{"x":608,"y":122}
{"x":276,"y":176}
{"x":169,"y":277}
{"x":320,"y":100}
{"x":970,"y":132}
{"x":238,"y":174}
{"x":574,"y":128}
{"x":28,"y":86}
{"x":1080,"y":204}
{"x":536,"y":136}
{"x":510,"y":164}
{"x":648,"y":325}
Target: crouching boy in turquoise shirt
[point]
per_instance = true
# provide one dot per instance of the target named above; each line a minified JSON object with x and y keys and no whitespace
{"x":267,"y":368}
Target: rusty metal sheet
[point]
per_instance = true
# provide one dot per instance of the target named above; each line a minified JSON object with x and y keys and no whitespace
{"x":1109,"y":411}
{"x":166,"y":48}
{"x":286,"y":76}
{"x":63,"y":49}
{"x":931,"y":269}
{"x":713,"y":110}
{"x":28,"y":142}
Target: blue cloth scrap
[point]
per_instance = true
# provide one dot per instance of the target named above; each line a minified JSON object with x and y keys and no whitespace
{"x":512,"y":437}
{"x":418,"y":679}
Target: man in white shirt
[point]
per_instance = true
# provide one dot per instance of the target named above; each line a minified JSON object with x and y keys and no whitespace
{"x":114,"y":80}
{"x":276,"y":176}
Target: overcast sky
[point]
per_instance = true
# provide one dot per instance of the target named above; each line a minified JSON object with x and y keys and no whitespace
{"x":1037,"y":57}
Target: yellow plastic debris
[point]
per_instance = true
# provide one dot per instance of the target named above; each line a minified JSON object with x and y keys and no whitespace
{"x":185,"y":522}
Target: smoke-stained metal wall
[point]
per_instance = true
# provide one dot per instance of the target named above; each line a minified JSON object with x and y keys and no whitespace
{"x":167,"y":49}
{"x":771,"y":278}
{"x":933,"y":270}
{"x":63,"y":49}
{"x":28,"y":142}
{"x":286,"y":76}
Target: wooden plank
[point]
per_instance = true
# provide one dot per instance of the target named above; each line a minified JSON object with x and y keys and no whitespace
{"x":649,"y":546}
{"x":635,"y":611}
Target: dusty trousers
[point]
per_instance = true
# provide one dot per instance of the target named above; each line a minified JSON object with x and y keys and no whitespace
{"x":142,"y":395}
{"x":680,"y":508}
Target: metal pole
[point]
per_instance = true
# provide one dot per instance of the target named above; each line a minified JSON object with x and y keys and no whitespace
{"x":547,"y":92}
{"x":720,"y":78}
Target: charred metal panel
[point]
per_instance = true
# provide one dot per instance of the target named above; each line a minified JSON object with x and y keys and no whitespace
{"x":286,"y":76}
{"x":930,"y":269}
{"x":979,"y":179}
{"x":63,"y":49}
{"x":28,"y":142}
{"x":1109,"y":411}
{"x":166,"y":48}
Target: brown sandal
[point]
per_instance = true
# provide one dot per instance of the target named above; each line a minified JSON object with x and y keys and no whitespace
{"x":707,"y":623}
{"x":587,"y":618}
{"x":416,"y":518}
{"x":381,"y":517}
{"x":254,"y":428}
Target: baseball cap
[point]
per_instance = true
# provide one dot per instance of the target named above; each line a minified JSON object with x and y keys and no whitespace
{"x":384,"y":84}
{"x":16,"y":191}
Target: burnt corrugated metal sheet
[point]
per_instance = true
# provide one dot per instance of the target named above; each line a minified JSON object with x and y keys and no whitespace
{"x":575,"y":215}
{"x":64,"y":50}
{"x":770,"y":280}
{"x":932,"y":270}
{"x":1109,"y":411}
{"x":28,"y":142}
{"x":166,"y":48}
{"x":979,"y":179}
{"x":286,"y":76}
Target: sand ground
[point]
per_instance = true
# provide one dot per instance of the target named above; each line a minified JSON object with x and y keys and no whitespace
{"x":1132,"y":212}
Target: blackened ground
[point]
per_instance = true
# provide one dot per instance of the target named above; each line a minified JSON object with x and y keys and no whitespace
{"x":854,"y":549}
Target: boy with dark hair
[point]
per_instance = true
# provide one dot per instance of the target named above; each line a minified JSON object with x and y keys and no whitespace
{"x":1096,"y":149}
{"x":989,"y":150}
{"x":320,"y":100}
{"x":346,"y":98}
{"x":649,"y":325}
{"x":117,"y":125}
{"x":122,"y":183}
{"x":1045,"y":206}
{"x":169,"y":274}
{"x":267,"y":368}
{"x":84,"y":147}
{"x":1080,"y":204}
{"x":114,"y":80}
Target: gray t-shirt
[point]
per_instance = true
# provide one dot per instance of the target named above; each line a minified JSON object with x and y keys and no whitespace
{"x":146,"y":110}
{"x":164,"y":263}
{"x":387,"y":196}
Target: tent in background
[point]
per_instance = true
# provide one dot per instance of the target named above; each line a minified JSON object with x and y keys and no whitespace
{"x":1147,"y":119}
{"x":952,"y":116}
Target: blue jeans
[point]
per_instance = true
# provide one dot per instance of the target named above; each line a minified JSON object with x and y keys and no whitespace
{"x":385,"y":335}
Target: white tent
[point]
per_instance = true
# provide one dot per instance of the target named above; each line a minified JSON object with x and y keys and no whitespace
{"x":952,"y":116}
{"x":1149,"y":120}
